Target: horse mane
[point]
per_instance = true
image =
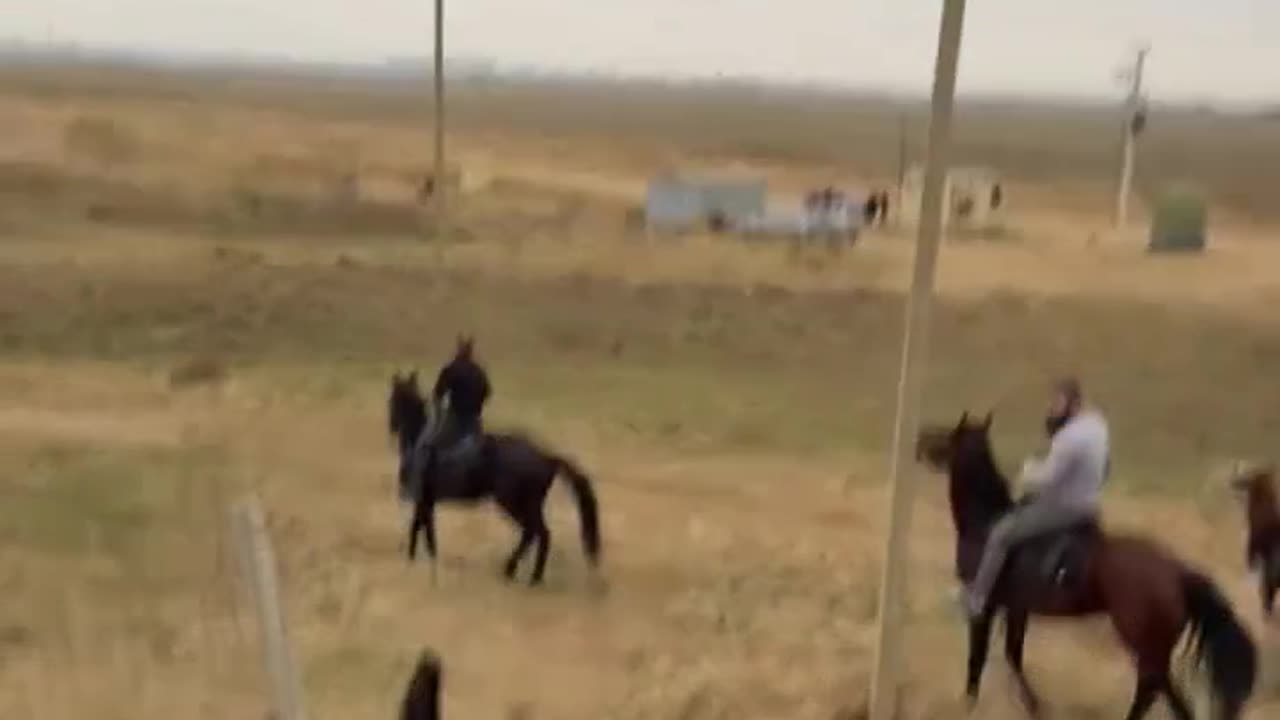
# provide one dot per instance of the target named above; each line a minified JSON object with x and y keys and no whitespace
{"x":409,"y":406}
{"x":1263,"y":505}
{"x":980,"y":492}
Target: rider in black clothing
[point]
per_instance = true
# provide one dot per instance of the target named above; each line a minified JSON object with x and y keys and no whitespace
{"x":466,"y":385}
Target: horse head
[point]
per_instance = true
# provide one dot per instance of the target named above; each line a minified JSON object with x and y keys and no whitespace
{"x":405,"y":406}
{"x":963,"y":451}
{"x":1256,"y":483}
{"x":948,"y":448}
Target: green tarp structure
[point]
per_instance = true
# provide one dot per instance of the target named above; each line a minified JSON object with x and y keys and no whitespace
{"x":1179,"y":222}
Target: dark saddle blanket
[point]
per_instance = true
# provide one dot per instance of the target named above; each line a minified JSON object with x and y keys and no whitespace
{"x":1055,"y":562}
{"x":456,"y":465}
{"x":461,"y":453}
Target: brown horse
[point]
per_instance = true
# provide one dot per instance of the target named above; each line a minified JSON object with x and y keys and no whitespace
{"x":1150,"y":596}
{"x":1262,"y":552}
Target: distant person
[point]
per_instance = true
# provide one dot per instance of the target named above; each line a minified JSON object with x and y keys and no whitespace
{"x":997,"y":196}
{"x":427,"y":188}
{"x":884,"y":207}
{"x":870,"y":209}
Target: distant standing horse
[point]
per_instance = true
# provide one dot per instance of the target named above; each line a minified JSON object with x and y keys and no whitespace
{"x":1262,"y":552}
{"x":512,"y":470}
{"x":1150,"y":596}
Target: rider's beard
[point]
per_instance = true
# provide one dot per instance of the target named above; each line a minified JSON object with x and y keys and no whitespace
{"x":1054,"y":422}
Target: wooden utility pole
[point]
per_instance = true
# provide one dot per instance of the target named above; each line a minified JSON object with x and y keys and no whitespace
{"x":440,"y":173}
{"x":885,"y":675}
{"x":1132,"y":108}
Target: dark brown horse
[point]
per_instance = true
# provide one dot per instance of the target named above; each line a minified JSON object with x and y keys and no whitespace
{"x":511,"y":469}
{"x":1262,"y":552}
{"x":1150,"y":596}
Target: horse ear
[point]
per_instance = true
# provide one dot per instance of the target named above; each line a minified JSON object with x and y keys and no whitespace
{"x":964,"y":419}
{"x":412,"y":377}
{"x":986,"y":421}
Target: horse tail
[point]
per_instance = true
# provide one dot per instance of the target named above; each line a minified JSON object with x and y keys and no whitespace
{"x":588,"y":508}
{"x":1220,"y":641}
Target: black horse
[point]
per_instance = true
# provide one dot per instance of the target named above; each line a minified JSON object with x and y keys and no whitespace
{"x":510,"y":468}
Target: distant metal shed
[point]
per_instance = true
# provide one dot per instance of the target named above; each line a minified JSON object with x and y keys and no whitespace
{"x":682,"y":203}
{"x":1179,"y":222}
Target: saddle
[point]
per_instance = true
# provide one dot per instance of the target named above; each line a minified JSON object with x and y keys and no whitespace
{"x":1055,"y":562}
{"x":455,"y":466}
{"x":460,"y":454}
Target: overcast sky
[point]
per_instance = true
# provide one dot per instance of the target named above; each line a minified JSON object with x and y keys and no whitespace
{"x":1202,"y":49}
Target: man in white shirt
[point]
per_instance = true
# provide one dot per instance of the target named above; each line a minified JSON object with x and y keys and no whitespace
{"x":1065,"y":487}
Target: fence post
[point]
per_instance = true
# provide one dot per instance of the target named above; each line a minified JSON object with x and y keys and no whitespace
{"x":257,"y":562}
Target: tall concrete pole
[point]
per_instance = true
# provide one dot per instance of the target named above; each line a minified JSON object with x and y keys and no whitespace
{"x":1128,"y":149}
{"x":440,"y":172}
{"x":885,"y":679}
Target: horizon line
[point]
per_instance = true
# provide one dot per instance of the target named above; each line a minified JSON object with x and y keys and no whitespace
{"x":394,"y":67}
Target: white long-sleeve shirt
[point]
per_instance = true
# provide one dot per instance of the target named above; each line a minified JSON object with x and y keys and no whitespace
{"x":1071,"y":475}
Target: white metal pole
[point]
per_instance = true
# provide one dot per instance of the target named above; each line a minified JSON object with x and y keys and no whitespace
{"x":1126,"y":178}
{"x":885,"y":675}
{"x":441,"y":174}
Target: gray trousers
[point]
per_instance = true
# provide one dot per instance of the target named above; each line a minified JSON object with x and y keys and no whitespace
{"x":1022,"y":524}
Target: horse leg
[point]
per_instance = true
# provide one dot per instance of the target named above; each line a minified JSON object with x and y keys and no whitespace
{"x":414,"y":523}
{"x":1015,"y":636}
{"x":511,"y":507}
{"x":1145,"y":694}
{"x":979,"y":643}
{"x":1269,"y":584}
{"x":1152,"y":647}
{"x":1177,"y":703}
{"x":423,"y":519}
{"x":426,"y":516}
{"x":544,"y":547}
{"x":527,"y":535}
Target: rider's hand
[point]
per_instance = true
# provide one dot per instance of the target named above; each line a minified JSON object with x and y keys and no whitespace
{"x":1030,"y":472}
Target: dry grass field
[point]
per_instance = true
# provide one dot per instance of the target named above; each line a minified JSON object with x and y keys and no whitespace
{"x":188,"y":310}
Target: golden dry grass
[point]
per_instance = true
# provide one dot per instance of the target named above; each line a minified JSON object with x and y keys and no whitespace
{"x":163,"y":345}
